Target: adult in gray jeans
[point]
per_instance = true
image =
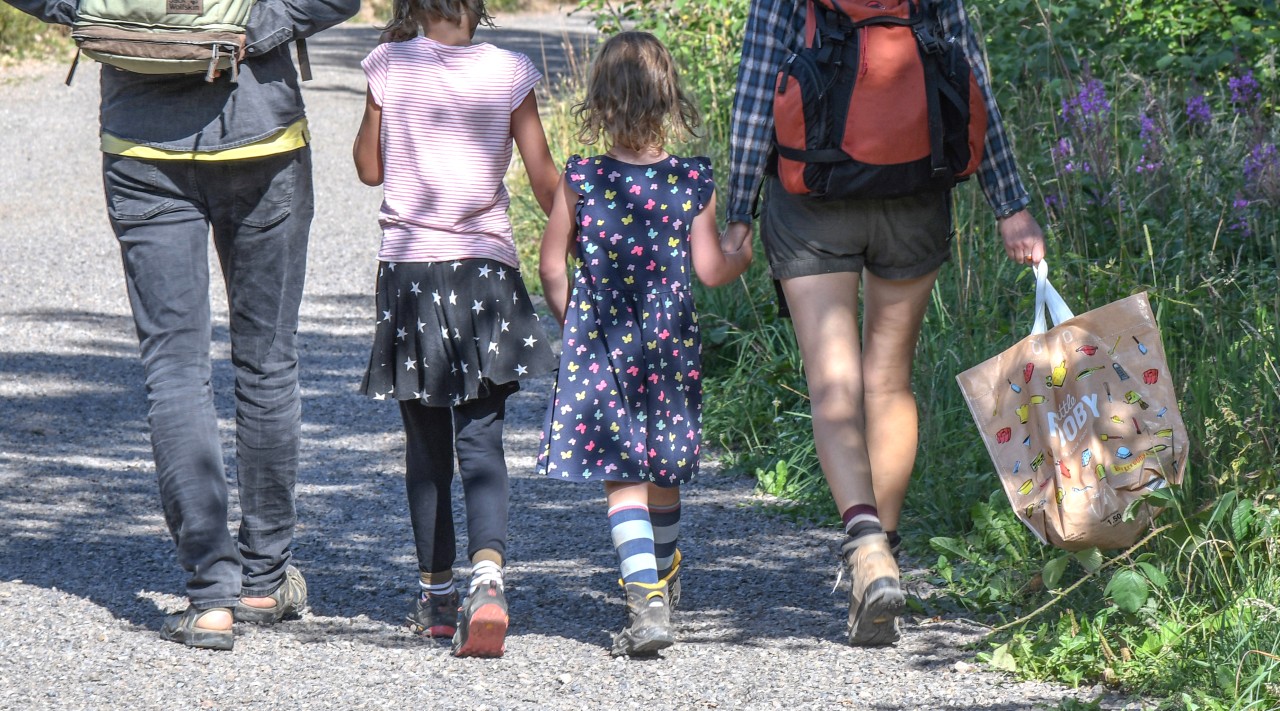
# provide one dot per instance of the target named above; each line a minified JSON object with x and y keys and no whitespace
{"x":183,"y":156}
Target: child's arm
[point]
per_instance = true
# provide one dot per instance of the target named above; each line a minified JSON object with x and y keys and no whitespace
{"x":715,"y":260}
{"x":556,"y":240}
{"x":526,"y":128}
{"x":367,"y":151}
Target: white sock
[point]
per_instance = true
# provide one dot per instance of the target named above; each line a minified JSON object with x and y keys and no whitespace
{"x":437,"y":589}
{"x":484,"y":572}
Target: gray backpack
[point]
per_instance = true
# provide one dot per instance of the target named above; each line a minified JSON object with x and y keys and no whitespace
{"x":167,"y":36}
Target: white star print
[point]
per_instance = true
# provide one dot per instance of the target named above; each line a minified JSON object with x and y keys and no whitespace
{"x":435,"y":296}
{"x":392,"y":266}
{"x":505,"y":324}
{"x":464,"y":367}
{"x":477,"y":307}
{"x":453,"y":299}
{"x":455,"y":265}
{"x":401,"y":333}
{"x":380,"y":396}
{"x":502,"y":273}
{"x":386,"y":315}
{"x":421,"y":326}
{"x":520,"y":369}
{"x":484,"y":271}
{"x":410,"y":364}
{"x":413,"y":289}
{"x":493,"y":347}
{"x":528,"y":342}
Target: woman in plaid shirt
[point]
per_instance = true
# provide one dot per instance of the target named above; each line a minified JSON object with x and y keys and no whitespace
{"x":865,"y":423}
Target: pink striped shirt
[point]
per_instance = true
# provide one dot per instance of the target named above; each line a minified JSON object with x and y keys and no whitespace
{"x":446,"y":146}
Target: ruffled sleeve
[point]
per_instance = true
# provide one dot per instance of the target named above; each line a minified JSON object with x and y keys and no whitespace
{"x":579,"y":171}
{"x":700,"y":173}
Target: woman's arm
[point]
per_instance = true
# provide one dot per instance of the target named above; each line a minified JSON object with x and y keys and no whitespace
{"x":526,"y":129}
{"x":556,"y":241}
{"x":367,"y":151}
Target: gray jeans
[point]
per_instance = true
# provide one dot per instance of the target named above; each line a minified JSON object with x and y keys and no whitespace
{"x":260,"y":213}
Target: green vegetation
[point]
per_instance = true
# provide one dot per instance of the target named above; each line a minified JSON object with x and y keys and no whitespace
{"x":1153,"y":166}
{"x":24,"y":37}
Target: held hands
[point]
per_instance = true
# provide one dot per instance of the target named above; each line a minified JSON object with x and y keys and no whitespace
{"x":1023,"y":239}
{"x":735,"y":238}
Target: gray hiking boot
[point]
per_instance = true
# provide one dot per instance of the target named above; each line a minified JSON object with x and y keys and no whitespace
{"x":672,"y":579}
{"x":875,"y":595}
{"x":290,"y":600}
{"x":648,"y":621}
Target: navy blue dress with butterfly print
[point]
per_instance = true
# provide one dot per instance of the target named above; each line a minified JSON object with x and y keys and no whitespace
{"x":627,"y":404}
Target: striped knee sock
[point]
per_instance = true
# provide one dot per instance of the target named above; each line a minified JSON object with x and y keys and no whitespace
{"x":861,"y":520}
{"x":666,"y":531}
{"x":633,"y":538}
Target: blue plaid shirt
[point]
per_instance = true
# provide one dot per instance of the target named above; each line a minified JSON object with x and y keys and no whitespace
{"x":775,"y":28}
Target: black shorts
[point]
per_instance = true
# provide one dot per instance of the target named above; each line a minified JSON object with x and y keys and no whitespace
{"x":899,"y":238}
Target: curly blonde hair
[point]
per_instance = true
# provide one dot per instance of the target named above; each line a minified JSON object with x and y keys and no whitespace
{"x":407,"y":15}
{"x":633,"y":96}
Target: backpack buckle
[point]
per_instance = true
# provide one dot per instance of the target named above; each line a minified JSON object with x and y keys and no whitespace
{"x":929,"y":40}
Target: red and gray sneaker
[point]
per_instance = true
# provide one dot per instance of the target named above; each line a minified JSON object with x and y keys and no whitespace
{"x":435,"y":615}
{"x":482,"y":623}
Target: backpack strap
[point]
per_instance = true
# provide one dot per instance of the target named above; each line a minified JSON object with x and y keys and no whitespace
{"x":304,"y":61}
{"x":75,"y":62}
{"x":928,"y":35}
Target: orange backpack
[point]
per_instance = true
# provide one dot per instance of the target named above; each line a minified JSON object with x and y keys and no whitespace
{"x":878,"y":103}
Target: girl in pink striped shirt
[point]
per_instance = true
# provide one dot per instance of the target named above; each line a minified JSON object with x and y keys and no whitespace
{"x":455,"y":328}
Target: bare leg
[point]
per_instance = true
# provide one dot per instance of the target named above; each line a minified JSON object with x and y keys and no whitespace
{"x":894,"y":311}
{"x":625,"y":492}
{"x":824,"y":312}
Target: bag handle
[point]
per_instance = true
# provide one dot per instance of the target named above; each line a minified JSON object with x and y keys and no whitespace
{"x":1047,"y":296}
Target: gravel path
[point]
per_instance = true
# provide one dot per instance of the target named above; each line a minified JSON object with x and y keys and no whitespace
{"x":87,"y":569}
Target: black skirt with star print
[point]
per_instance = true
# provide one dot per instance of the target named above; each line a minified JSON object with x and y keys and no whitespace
{"x":451,"y":332}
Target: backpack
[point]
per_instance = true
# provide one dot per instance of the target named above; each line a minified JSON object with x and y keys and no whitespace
{"x":167,"y":36}
{"x":878,"y":103}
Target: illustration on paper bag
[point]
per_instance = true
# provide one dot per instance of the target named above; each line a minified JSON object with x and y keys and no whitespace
{"x":1081,"y":430}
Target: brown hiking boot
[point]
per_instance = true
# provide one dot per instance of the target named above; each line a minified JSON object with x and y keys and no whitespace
{"x":875,"y":596}
{"x":648,"y":621}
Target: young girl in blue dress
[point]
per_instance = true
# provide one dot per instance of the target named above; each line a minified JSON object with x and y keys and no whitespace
{"x":638,"y":222}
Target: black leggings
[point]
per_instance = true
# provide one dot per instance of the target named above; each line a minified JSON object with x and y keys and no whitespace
{"x":432,"y":434}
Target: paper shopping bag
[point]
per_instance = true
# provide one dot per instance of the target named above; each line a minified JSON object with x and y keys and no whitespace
{"x":1080,"y":420}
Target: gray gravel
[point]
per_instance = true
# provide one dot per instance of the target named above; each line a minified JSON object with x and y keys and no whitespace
{"x":87,"y":569}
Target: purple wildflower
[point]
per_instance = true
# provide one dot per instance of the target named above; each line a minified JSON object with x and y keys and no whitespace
{"x":1262,"y":171}
{"x":1051,"y":201}
{"x":1241,"y":208}
{"x":1198,"y":110}
{"x":1147,"y":165}
{"x":1244,"y":91}
{"x":1147,"y":129}
{"x":1088,"y":107}
{"x":1260,"y":159}
{"x":1063,"y":148}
